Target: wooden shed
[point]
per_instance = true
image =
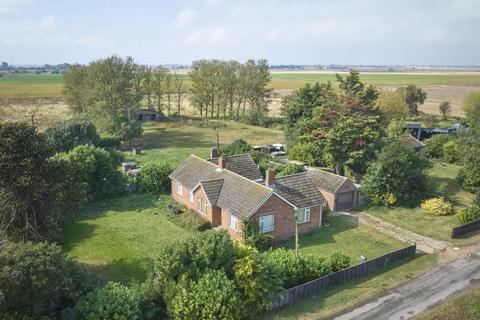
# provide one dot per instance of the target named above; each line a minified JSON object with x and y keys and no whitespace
{"x":340,"y":193}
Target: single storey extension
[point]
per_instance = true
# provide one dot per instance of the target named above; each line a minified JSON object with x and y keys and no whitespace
{"x":226,"y":197}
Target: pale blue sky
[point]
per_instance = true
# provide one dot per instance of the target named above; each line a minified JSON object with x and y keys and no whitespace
{"x":283,"y":31}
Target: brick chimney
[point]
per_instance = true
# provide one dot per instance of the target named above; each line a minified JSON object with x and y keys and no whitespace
{"x":269,"y":177}
{"x":221,"y":162}
{"x":213,"y":153}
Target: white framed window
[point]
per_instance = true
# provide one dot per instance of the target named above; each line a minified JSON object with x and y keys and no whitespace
{"x":233,"y":222}
{"x":265,"y":223}
{"x":303,"y":215}
{"x":178,"y":188}
{"x":205,"y":205}
{"x":190,"y":196}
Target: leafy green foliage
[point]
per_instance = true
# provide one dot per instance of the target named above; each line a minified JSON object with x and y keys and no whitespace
{"x":188,"y":218}
{"x":413,"y":97}
{"x":190,"y":258}
{"x":468,"y":214}
{"x":333,"y":127}
{"x":451,"y":152}
{"x":238,"y":146}
{"x":104,"y":91}
{"x":297,"y":270}
{"x":153,"y":178}
{"x":444,"y":108}
{"x":96,"y":170}
{"x":392,"y":105}
{"x":258,"y":281}
{"x":252,"y":236}
{"x":290,"y":169}
{"x":434,"y":146}
{"x":471,"y":106}
{"x":116,"y":301}
{"x":396,"y":171}
{"x":37,"y":280}
{"x":36,"y":193}
{"x":437,"y":207}
{"x":66,"y":135}
{"x":212,"y":297}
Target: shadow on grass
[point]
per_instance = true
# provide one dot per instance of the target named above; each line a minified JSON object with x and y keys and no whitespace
{"x":336,"y":224}
{"x":318,"y":301}
{"x":125,"y":270}
{"x":165,"y":137}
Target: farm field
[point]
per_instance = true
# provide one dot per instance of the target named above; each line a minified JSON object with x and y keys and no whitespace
{"x":414,"y":219}
{"x":344,"y":297}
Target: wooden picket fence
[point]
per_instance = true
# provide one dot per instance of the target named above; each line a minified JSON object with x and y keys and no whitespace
{"x":465,"y":228}
{"x":314,"y":287}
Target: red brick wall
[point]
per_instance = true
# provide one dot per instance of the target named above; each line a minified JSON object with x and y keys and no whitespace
{"x":284,"y":219}
{"x":235,"y":234}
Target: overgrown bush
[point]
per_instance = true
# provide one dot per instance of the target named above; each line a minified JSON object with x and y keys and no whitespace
{"x":290,"y":169}
{"x":252,"y":236}
{"x":258,"y":281}
{"x":153,"y":178}
{"x":117,"y":301}
{"x":297,"y":270}
{"x":109,"y":142}
{"x":238,"y":146}
{"x":451,"y":152}
{"x":38,"y":280}
{"x":96,"y":170}
{"x":468,"y":214}
{"x":213,"y":296}
{"x":397,"y":176}
{"x":66,"y":135}
{"x":437,"y":207}
{"x":434,"y":146}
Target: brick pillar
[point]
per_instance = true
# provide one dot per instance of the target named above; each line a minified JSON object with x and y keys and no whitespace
{"x":221,"y":162}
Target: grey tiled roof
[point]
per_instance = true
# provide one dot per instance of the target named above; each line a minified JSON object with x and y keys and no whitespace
{"x":326,"y":180}
{"x":241,"y":164}
{"x":225,"y":189}
{"x":299,"y":190}
{"x":212,"y":189}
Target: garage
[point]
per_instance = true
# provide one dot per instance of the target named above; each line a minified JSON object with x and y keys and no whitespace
{"x":340,"y":193}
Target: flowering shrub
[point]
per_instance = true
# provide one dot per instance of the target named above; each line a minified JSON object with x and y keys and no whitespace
{"x":437,"y":207}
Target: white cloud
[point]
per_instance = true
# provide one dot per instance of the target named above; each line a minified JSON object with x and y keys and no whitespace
{"x":47,"y":22}
{"x":211,"y":36}
{"x":185,"y":17}
{"x":212,"y":3}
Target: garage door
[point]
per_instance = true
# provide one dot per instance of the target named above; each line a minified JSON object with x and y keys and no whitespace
{"x":344,"y":201}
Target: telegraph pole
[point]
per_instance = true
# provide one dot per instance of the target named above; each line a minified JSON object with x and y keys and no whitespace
{"x":296,"y":235}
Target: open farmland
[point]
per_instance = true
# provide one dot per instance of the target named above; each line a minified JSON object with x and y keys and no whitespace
{"x":45,"y":90}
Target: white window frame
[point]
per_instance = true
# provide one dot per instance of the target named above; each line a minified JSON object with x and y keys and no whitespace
{"x":190,"y":196}
{"x":260,"y":223}
{"x":306,"y":213}
{"x":235,"y":220}
{"x":178,"y":188}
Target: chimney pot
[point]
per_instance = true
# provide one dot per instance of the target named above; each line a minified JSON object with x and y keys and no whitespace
{"x":269,"y":177}
{"x":213,"y":153}
{"x":221,"y":162}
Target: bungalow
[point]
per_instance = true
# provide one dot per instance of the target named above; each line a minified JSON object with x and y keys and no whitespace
{"x":226,"y":193}
{"x":339,"y":192}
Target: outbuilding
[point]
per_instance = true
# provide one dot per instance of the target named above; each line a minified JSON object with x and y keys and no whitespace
{"x":340,"y":193}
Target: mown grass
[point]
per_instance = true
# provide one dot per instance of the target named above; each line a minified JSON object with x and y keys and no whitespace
{"x":416,"y":220}
{"x":346,"y":235}
{"x":340,"y":299}
{"x":172,"y":142}
{"x":119,"y":238}
{"x":463,"y":307}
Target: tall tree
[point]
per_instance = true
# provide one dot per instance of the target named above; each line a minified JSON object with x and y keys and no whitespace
{"x":148,"y":87}
{"x":392,"y":105}
{"x":169,"y":91}
{"x":179,"y":88}
{"x":76,"y":88}
{"x":159,"y":76}
{"x":413,"y":97}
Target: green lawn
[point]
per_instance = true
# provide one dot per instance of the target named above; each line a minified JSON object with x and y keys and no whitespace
{"x":344,"y":297}
{"x":31,"y":85}
{"x":346,"y":235}
{"x":173,"y":142}
{"x":463,"y":307}
{"x":120,"y":237}
{"x":416,"y":220}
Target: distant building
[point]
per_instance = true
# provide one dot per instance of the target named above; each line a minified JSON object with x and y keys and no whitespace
{"x":145,"y":115}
